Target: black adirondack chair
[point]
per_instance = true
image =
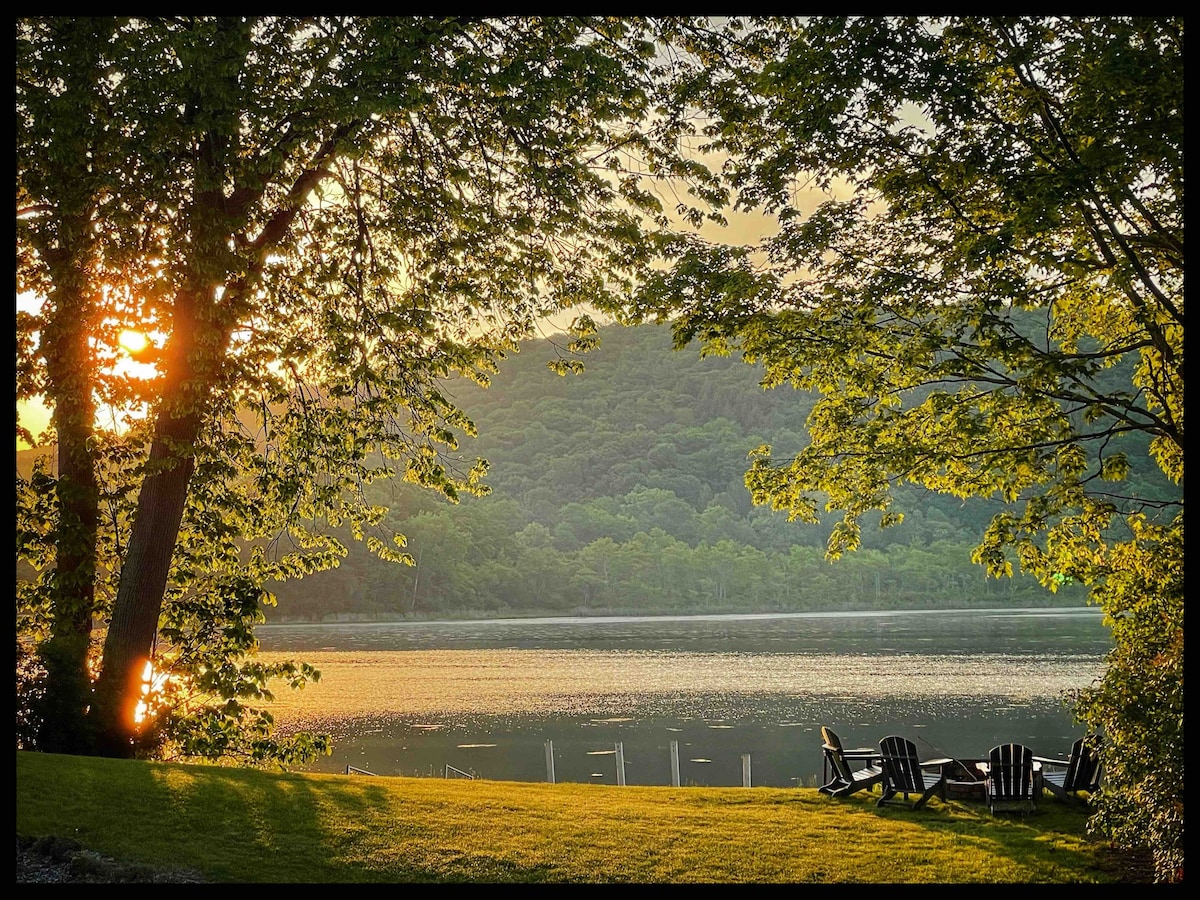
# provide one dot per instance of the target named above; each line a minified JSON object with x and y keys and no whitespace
{"x":847,"y":771}
{"x":1065,"y":778}
{"x":1010,"y":779}
{"x":905,"y":774}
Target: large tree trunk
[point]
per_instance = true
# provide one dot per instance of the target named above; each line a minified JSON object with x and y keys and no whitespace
{"x":68,"y":249}
{"x":63,"y":706}
{"x":144,"y":571}
{"x":134,"y":624}
{"x":69,"y":254}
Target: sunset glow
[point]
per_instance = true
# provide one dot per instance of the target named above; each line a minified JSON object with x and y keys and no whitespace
{"x":151,"y":683}
{"x":133,"y":341}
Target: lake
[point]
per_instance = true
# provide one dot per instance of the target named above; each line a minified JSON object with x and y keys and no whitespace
{"x":484,"y":697}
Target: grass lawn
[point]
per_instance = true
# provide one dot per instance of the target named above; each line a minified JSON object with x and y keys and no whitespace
{"x":249,"y":825}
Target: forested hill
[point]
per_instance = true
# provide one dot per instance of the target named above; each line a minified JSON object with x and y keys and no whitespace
{"x":621,"y":490}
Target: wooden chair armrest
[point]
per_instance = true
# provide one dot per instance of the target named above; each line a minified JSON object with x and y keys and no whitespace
{"x":865,"y":753}
{"x":1046,"y":761}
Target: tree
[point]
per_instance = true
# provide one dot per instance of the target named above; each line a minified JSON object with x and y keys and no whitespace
{"x":1002,"y":226}
{"x":315,"y":221}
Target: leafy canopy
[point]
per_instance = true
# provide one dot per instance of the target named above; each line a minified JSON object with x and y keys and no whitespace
{"x":1005,"y":226}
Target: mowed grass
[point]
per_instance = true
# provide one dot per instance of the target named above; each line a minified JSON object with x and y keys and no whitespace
{"x":248,"y":825}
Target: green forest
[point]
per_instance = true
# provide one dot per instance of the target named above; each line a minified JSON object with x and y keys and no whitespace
{"x":619,"y":490}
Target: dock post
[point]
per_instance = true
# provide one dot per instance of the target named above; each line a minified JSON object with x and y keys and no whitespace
{"x":550,"y":761}
{"x":745,"y":770}
{"x":674,"y":763}
{"x":620,"y":763}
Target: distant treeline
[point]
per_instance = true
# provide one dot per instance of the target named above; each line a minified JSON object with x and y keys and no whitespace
{"x":621,"y":490}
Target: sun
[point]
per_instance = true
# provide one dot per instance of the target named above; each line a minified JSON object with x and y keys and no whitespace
{"x":133,"y":341}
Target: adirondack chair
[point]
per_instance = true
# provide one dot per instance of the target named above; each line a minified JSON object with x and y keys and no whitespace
{"x":1009,"y":779}
{"x":1065,"y":778}
{"x":904,"y":773}
{"x":841,"y":777}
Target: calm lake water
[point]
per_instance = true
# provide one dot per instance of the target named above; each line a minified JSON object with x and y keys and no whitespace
{"x":484,"y":697}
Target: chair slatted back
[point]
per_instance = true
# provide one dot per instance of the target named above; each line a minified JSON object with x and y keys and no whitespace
{"x":833,"y":752}
{"x":1010,"y":772}
{"x":1071,"y":776}
{"x":1083,"y":767}
{"x":901,"y":767}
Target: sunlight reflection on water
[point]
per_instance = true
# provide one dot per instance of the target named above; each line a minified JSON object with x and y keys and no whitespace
{"x":416,"y":682}
{"x":414,"y":698}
